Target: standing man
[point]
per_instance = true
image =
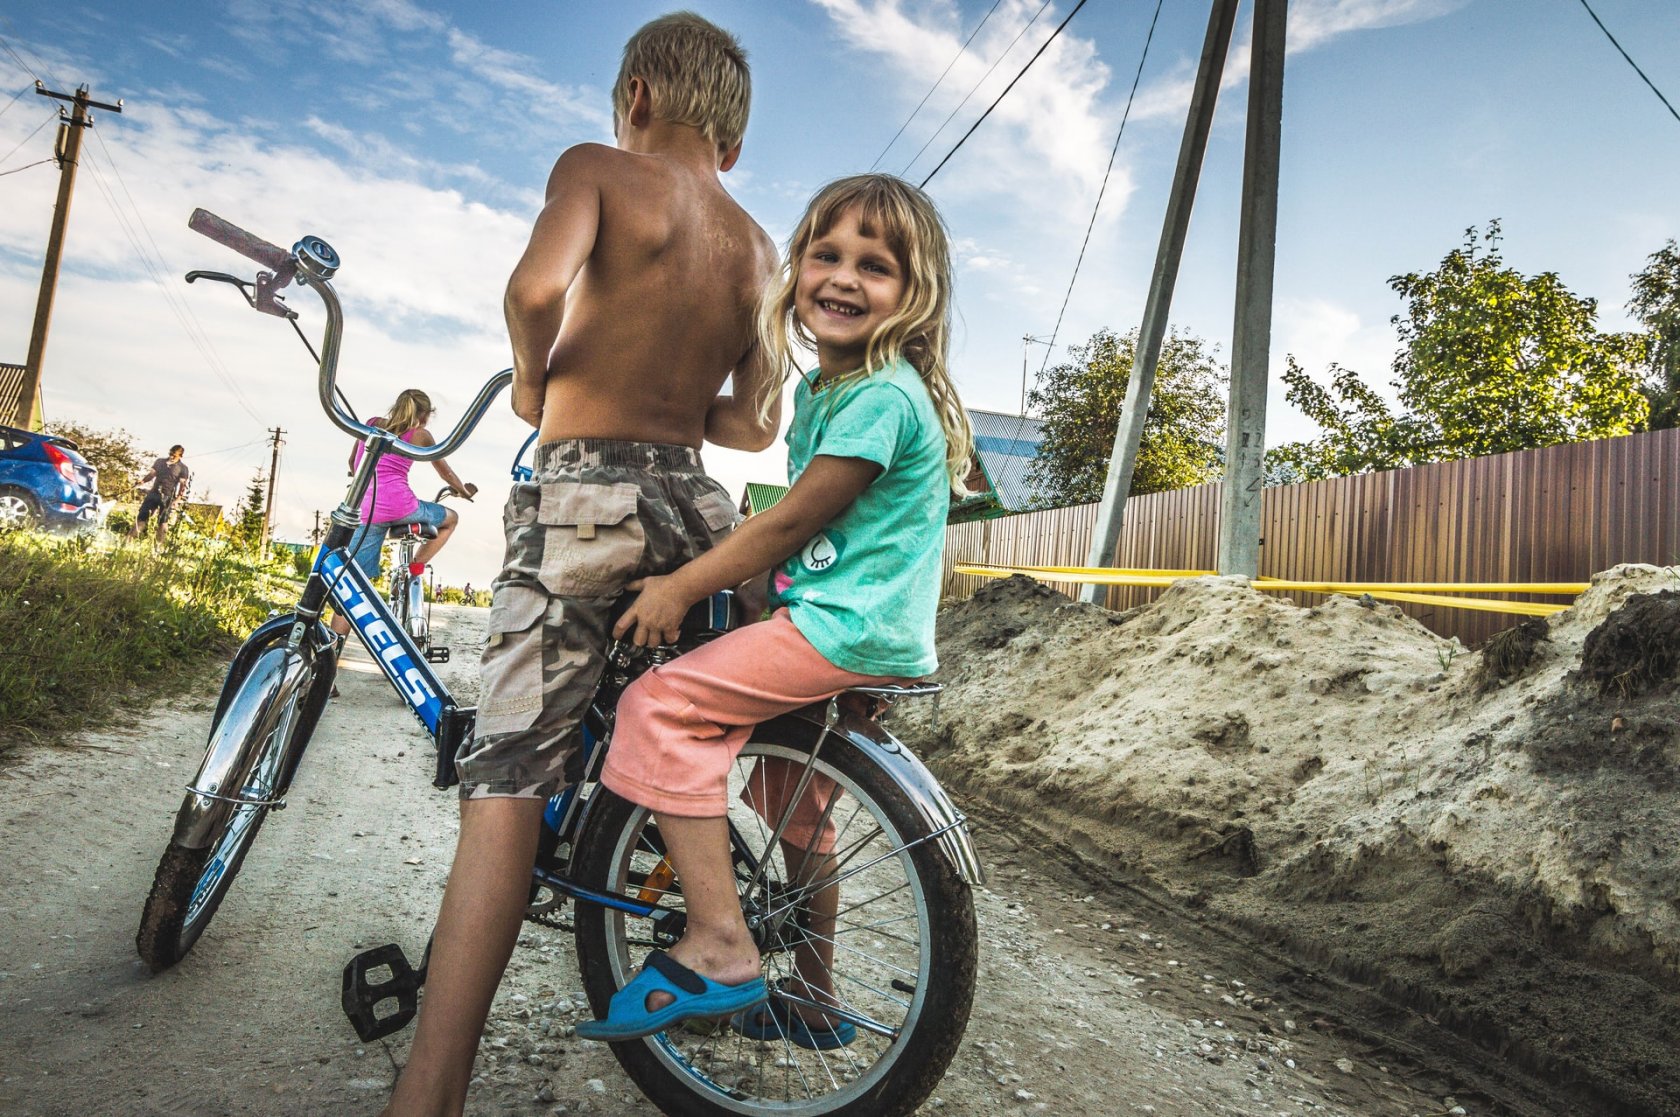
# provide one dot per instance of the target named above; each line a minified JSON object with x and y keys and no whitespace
{"x":169,"y":477}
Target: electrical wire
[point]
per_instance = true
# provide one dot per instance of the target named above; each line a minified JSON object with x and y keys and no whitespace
{"x":995,"y":63}
{"x":184,"y":314}
{"x":1005,"y":92}
{"x":1630,"y":61}
{"x":25,"y":167}
{"x":29,"y":137}
{"x":1115,"y":150}
{"x":14,"y":99}
{"x":26,"y":67}
{"x":925,"y":96}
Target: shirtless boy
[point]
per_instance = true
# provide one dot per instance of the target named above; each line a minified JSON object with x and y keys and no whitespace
{"x":632,"y":304}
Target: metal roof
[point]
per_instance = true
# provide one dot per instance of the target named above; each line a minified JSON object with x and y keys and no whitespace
{"x":1006,"y":446}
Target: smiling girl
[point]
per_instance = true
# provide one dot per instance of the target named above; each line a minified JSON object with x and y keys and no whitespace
{"x":879,"y":441}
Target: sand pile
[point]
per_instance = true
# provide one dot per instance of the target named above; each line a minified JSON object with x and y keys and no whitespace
{"x":1491,"y":834}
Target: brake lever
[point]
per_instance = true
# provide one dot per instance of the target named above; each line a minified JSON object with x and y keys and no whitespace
{"x":264,"y":300}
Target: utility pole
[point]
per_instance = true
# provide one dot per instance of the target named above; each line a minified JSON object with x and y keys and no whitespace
{"x":1122,"y":463}
{"x":315,"y":535}
{"x":1027,"y":340}
{"x":67,"y":150}
{"x":1251,"y":334}
{"x":273,"y":471}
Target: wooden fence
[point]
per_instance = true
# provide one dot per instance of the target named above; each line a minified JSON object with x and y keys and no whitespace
{"x":1553,"y":515}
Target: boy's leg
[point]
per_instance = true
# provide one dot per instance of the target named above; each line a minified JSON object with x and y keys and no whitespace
{"x":477,"y":927}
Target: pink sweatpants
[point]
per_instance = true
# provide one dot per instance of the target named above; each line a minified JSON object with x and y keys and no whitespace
{"x":681,"y":725}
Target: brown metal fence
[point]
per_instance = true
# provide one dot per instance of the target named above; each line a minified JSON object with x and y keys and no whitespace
{"x":1553,"y":515}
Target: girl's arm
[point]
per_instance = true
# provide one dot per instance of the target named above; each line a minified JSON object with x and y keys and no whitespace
{"x":827,"y":487}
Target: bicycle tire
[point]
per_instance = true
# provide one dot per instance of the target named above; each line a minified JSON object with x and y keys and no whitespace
{"x":686,"y":1073}
{"x":190,"y":884}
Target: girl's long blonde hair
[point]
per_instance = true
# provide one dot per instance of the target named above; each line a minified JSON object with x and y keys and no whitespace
{"x":918,"y":332}
{"x":412,"y":405}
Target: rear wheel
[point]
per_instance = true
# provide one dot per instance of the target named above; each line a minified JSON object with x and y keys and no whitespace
{"x":18,"y":510}
{"x":900,"y":931}
{"x":190,"y":884}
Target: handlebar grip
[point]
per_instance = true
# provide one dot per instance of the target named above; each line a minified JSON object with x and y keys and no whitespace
{"x":270,"y":256}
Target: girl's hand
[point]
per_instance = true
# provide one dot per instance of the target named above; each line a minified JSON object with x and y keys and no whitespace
{"x":656,"y":615}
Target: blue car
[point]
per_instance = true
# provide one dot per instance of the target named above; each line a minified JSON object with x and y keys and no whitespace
{"x":45,"y":482}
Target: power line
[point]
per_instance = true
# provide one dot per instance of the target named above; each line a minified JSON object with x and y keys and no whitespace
{"x":1630,"y":61}
{"x":995,"y":63}
{"x":197,"y":337}
{"x":25,"y":167}
{"x":15,"y":97}
{"x":929,"y":93}
{"x":29,"y":137}
{"x":1115,"y":150}
{"x":1005,"y":92}
{"x":26,"y":67}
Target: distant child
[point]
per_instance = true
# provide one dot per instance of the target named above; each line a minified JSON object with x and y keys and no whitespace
{"x":879,"y":442}
{"x":632,"y":305}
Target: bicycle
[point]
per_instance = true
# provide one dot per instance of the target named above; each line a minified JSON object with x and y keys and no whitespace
{"x":409,"y":596}
{"x":892,"y":902}
{"x":282,"y":676}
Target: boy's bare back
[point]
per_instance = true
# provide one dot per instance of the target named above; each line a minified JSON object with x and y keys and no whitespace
{"x":654,"y":272}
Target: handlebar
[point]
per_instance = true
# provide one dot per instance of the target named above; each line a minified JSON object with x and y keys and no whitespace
{"x":313,"y":262}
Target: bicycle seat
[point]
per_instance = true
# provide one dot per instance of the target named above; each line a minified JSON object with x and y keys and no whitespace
{"x":397,"y":531}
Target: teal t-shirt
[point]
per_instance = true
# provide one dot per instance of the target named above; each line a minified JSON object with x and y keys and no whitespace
{"x":865,"y":589}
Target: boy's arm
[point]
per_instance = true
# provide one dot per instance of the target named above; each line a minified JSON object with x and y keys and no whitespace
{"x":561,"y":241}
{"x":828,"y":487}
{"x":737,"y":421}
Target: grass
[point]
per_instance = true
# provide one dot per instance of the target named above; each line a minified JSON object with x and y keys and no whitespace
{"x":89,"y":621}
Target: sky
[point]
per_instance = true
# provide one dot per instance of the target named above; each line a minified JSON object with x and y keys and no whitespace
{"x":416,"y":137}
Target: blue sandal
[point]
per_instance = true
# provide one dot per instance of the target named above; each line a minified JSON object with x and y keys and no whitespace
{"x":694,"y":995}
{"x":779,"y":1019}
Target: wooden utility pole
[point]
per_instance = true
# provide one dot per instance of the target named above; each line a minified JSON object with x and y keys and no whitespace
{"x":67,"y":151}
{"x":273,"y":472}
{"x":1251,"y":335}
{"x":1122,"y":462}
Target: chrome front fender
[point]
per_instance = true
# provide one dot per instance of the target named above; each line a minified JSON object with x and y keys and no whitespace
{"x":920,"y":786}
{"x":269,"y":695}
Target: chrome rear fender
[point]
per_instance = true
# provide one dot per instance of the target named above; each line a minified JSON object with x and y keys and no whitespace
{"x":854,"y":728}
{"x":269,"y":695}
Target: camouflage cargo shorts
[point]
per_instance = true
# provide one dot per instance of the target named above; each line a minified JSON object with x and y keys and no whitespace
{"x":595,"y":515}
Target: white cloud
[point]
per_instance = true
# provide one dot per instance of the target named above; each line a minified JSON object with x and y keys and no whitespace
{"x":1317,"y":332}
{"x":1015,"y":150}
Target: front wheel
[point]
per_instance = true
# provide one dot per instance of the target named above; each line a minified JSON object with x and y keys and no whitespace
{"x":191,"y":882}
{"x":890,"y":921}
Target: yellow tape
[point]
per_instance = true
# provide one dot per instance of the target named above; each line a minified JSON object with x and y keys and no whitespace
{"x":1570,"y":589}
{"x":1387,"y":591}
{"x":1521,"y":608}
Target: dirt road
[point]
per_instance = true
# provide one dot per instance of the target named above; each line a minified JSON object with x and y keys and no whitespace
{"x":1094,"y":998}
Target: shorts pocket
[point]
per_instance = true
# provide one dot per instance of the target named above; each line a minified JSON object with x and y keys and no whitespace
{"x":717,"y":510}
{"x":512,"y":667}
{"x":592,"y":538}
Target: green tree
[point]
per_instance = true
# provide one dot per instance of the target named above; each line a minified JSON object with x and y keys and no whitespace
{"x":1490,"y":361}
{"x":112,"y":452}
{"x":248,"y":515}
{"x":1656,"y":303}
{"x":1360,"y":432}
{"x":1079,"y":405}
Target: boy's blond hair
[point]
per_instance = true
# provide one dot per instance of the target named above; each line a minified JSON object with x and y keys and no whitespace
{"x":918,"y":332}
{"x":696,"y":74}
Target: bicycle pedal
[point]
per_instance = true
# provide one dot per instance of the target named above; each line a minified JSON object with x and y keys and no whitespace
{"x":437,"y":655}
{"x":363,"y":996}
